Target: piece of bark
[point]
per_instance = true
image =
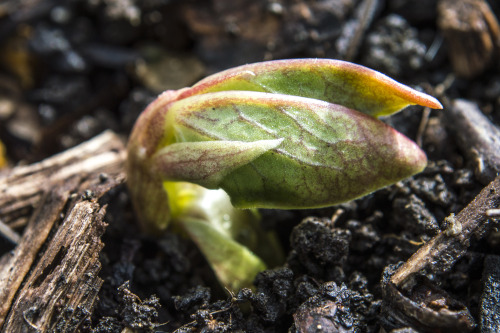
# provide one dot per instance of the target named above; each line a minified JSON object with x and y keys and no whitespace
{"x":49,"y":281}
{"x":21,"y":188}
{"x":472,"y":34}
{"x":15,"y":265}
{"x":62,"y":288}
{"x":477,"y":137}
{"x":426,"y":308}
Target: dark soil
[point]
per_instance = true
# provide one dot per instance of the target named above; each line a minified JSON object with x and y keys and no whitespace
{"x":71,"y":69}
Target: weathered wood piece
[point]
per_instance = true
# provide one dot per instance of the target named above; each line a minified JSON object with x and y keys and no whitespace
{"x":472,"y":33}
{"x":49,"y":281}
{"x":15,"y":265}
{"x":21,"y":188}
{"x":477,"y":136}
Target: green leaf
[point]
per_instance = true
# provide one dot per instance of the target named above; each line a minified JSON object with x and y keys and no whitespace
{"x":334,"y":81}
{"x":329,"y":153}
{"x":206,"y":163}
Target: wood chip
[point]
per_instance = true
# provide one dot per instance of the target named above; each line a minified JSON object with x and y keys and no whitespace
{"x":472,"y":34}
{"x":476,"y":136}
{"x":50,"y":282}
{"x":21,"y":188}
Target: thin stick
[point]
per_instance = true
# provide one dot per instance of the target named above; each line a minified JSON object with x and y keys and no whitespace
{"x":440,"y":253}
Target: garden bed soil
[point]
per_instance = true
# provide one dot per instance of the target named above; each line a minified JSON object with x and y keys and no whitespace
{"x":421,"y":255}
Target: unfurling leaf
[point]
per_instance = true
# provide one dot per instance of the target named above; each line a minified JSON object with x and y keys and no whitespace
{"x":297,"y":152}
{"x":280,"y":134}
{"x":207,"y":162}
{"x":334,"y":81}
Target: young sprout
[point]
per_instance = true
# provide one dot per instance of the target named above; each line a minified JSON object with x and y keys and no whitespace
{"x":280,"y":134}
